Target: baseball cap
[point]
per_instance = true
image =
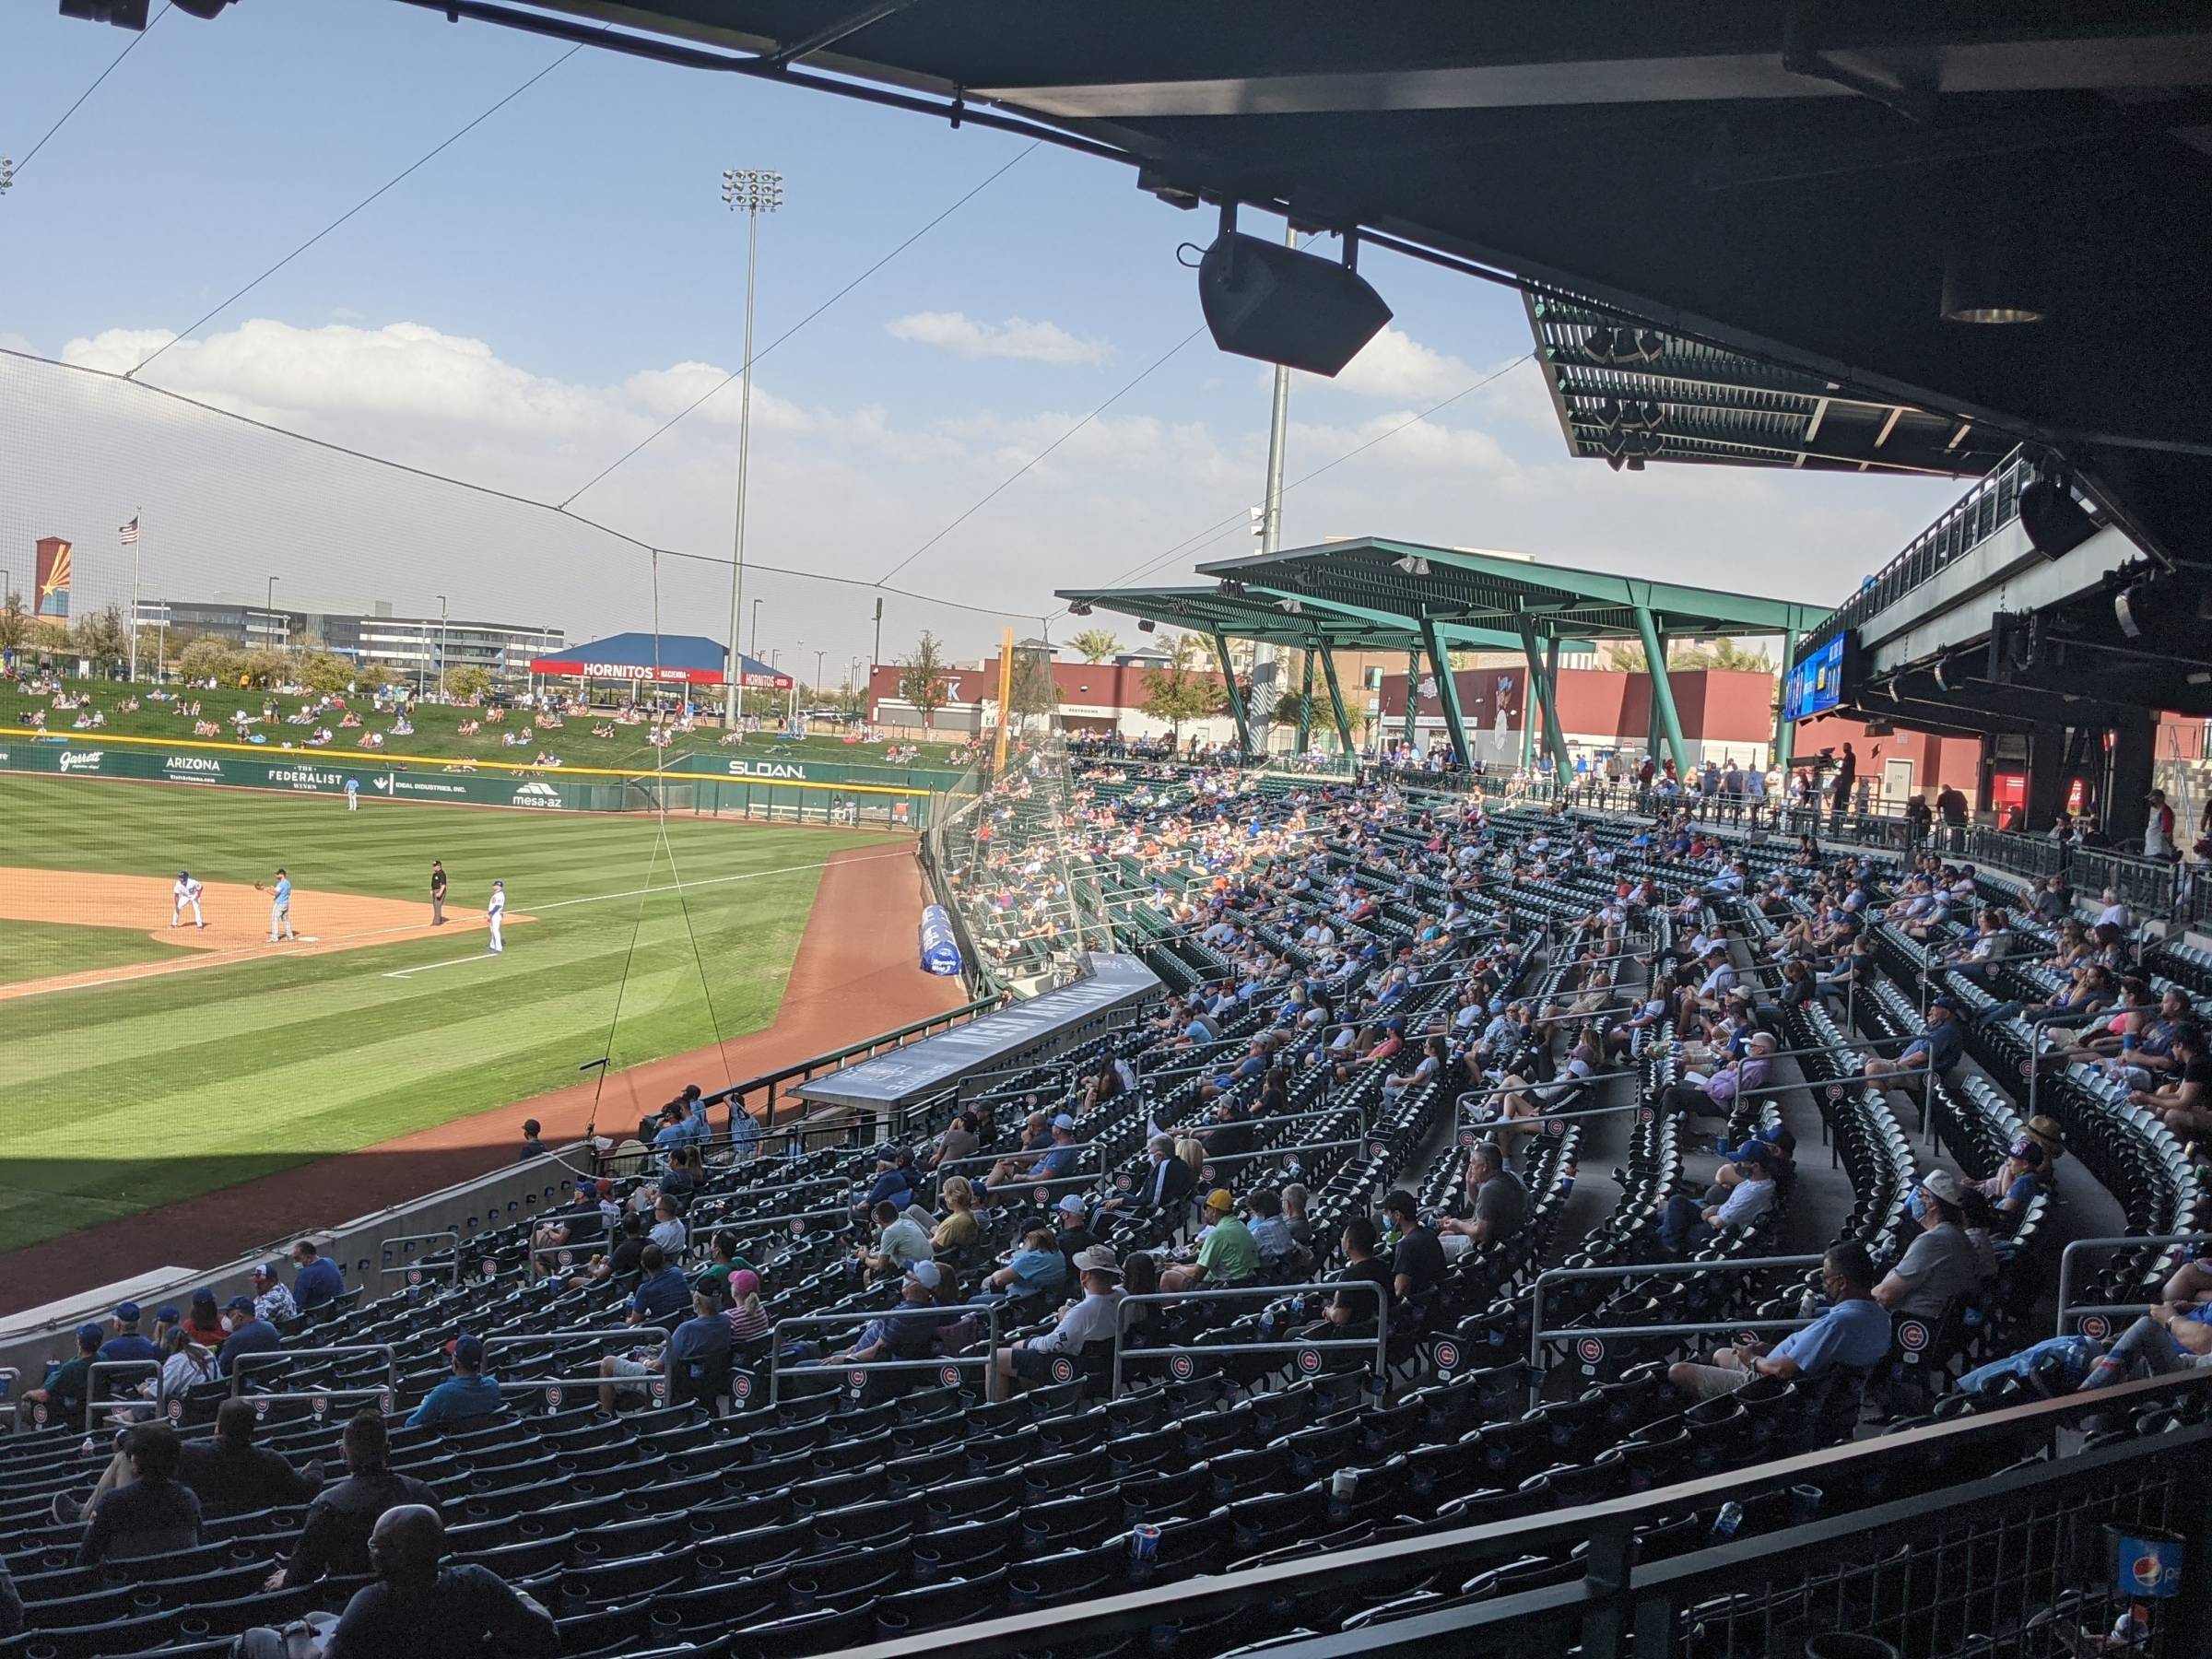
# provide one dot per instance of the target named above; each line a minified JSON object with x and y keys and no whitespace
{"x":126,"y":1311}
{"x":1073,"y":1205}
{"x":469,"y":1352}
{"x":715,"y":1291}
{"x":265,"y":1270}
{"x":1942,"y":1184}
{"x":1950,"y":1004}
{"x":1221,"y":1199}
{"x":922,"y":1273}
{"x":1064,"y":1121}
{"x":745,"y":1282}
{"x":203,"y":1298}
{"x":1097,"y":1259}
{"x":89,"y":1333}
{"x":238,"y":1304}
{"x":167,"y":1314}
{"x":1754,"y":1152}
{"x":2027,"y":1151}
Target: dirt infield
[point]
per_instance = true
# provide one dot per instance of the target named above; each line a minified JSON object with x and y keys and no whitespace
{"x":855,"y":974}
{"x":237,"y":915}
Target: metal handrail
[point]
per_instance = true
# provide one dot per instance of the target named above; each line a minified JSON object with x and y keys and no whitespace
{"x":2067,"y":1307}
{"x":386,"y":1268}
{"x":273,"y":1356}
{"x":1551,"y":1275}
{"x":636,"y":1336}
{"x":1205,"y":1172}
{"x":92,"y":1374}
{"x":1250,"y":1293}
{"x":857,"y":1371}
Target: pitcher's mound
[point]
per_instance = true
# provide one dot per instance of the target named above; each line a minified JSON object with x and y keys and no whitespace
{"x":238,"y":922}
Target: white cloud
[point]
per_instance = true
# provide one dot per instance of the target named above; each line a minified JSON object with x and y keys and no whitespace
{"x":1394,"y":365}
{"x":1017,"y":337}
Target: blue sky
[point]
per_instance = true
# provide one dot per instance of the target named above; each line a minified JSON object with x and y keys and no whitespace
{"x":521,"y":309}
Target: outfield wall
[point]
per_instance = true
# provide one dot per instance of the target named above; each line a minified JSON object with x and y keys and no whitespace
{"x":810,"y":798}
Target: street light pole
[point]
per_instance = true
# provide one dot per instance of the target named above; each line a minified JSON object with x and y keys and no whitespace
{"x":753,"y":191}
{"x":442,"y":647}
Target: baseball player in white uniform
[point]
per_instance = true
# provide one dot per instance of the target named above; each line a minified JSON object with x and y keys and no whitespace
{"x":495,"y":912}
{"x":185,"y":896}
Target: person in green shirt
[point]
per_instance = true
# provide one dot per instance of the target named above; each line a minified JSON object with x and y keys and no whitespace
{"x":727,"y":1262}
{"x":65,"y":1391}
{"x":1226,"y":1256}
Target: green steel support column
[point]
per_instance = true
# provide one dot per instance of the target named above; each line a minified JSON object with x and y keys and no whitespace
{"x":1447,"y":694}
{"x":1344,"y":724}
{"x":1782,"y":731}
{"x":1663,"y":693}
{"x":1413,"y":692}
{"x":1651,"y":714}
{"x":1305,"y":704}
{"x":1543,"y":685}
{"x":1529,"y":718}
{"x":1235,"y":692}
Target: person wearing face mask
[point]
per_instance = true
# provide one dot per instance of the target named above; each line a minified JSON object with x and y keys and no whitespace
{"x":1939,"y":1265}
{"x":248,"y":1332}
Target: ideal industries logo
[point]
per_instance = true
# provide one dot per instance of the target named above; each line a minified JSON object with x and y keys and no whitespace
{"x":537,"y":794}
{"x":80,"y":761}
{"x":199,"y":764}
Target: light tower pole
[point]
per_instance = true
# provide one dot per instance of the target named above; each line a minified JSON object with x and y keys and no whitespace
{"x":753,"y":192}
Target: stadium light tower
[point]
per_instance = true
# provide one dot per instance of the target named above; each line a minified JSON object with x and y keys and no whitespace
{"x":753,"y":192}
{"x":442,"y":647}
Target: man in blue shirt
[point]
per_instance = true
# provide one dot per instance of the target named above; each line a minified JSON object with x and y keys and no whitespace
{"x":249,"y":1335}
{"x":126,"y":1343}
{"x":1853,"y":1334}
{"x":466,"y":1395}
{"x":1940,"y":1045}
{"x":318,"y":1281}
{"x":662,"y":1293}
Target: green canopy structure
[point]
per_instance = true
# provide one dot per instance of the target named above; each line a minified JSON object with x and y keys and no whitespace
{"x":1373,"y":594}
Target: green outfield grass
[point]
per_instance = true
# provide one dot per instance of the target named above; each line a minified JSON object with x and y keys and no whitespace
{"x":124,"y":1097}
{"x":30,"y":950}
{"x":436,"y":730}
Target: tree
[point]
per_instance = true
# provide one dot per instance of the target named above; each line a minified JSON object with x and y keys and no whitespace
{"x":1096,"y":644}
{"x":1628,"y":657}
{"x":264,"y":666}
{"x":207,"y":658}
{"x":921,"y":677}
{"x":1034,"y":689}
{"x":320,"y":672}
{"x":99,"y":635}
{"x":467,"y":681}
{"x":1181,"y":691}
{"x":16,"y":623}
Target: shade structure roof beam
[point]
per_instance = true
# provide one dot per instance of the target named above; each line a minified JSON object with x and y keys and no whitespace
{"x":1594,"y":603}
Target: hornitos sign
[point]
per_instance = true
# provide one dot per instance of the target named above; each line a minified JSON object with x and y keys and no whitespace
{"x":192,"y":768}
{"x":538,"y":795}
{"x":767,"y":769}
{"x":76,"y":760}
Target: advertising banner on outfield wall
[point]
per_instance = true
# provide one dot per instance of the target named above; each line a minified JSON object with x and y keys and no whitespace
{"x":765,"y":799}
{"x":816,"y":771}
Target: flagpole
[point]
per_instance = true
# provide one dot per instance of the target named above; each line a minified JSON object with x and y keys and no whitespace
{"x":138,"y":529}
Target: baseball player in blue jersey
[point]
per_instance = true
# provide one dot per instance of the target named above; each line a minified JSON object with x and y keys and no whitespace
{"x":280,"y":907}
{"x":495,"y":912}
{"x":353,"y":795}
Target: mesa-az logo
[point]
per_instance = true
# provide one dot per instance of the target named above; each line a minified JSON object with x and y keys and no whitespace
{"x":538,"y":795}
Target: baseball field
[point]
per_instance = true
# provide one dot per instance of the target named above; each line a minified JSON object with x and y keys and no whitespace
{"x":144,"y":1065}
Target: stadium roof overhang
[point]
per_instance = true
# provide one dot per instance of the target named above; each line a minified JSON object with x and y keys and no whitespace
{"x":1315,"y":625}
{"x":1405,"y":583}
{"x":1779,"y":183}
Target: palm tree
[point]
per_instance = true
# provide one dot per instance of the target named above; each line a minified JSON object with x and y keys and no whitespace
{"x":1096,"y":644}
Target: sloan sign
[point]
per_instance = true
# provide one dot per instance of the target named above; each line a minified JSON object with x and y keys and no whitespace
{"x":767,"y":769}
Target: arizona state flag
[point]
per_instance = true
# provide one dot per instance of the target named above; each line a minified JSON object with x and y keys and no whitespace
{"x":53,"y":577}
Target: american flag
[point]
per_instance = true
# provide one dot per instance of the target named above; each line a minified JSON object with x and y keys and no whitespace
{"x":128,"y":531}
